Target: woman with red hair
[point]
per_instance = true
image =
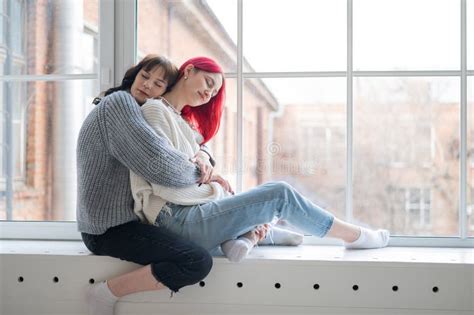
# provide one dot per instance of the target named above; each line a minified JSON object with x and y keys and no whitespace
{"x":188,"y":124}
{"x":210,"y":214}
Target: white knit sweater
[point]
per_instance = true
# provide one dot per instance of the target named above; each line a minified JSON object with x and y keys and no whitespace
{"x":151,"y":198}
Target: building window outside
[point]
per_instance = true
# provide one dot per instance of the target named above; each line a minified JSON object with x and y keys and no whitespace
{"x":418,"y":207}
{"x":413,"y":208}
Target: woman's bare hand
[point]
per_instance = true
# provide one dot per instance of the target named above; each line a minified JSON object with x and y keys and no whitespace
{"x":261,"y":231}
{"x":223,"y":182}
{"x":202,"y":161}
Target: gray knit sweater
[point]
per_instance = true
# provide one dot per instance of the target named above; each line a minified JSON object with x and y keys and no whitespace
{"x":113,"y":140}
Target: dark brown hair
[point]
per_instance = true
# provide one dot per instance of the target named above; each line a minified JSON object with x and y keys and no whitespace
{"x":170,"y":72}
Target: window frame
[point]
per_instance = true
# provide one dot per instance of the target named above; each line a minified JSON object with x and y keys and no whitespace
{"x":118,"y":52}
{"x":7,"y":186}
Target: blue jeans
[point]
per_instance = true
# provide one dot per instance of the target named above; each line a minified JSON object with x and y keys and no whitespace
{"x":212,"y":223}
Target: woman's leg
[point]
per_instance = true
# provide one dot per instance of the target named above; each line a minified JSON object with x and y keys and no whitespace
{"x":212,"y":223}
{"x":169,"y":260}
{"x":139,"y":280}
{"x":344,"y":231}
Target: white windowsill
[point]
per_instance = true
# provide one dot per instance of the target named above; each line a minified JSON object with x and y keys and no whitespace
{"x":62,"y":231}
{"x":302,"y":253}
{"x":416,"y":272}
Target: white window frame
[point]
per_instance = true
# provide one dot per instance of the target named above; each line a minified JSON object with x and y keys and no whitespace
{"x":66,"y":230}
{"x":117,"y":53}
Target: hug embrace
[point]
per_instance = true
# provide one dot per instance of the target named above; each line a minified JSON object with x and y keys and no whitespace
{"x":147,"y":191}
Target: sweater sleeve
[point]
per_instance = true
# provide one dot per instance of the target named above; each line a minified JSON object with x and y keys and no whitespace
{"x":134,"y":143}
{"x":163,"y":121}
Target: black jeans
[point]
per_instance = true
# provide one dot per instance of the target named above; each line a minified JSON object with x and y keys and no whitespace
{"x":175,"y":262}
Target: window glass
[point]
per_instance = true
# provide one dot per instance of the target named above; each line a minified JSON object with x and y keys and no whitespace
{"x":295,"y":131}
{"x":18,"y":101}
{"x":2,"y":21}
{"x":406,"y":34}
{"x":62,"y":20}
{"x":45,"y":116}
{"x":406,"y":154}
{"x":17,"y":31}
{"x":48,"y":143}
{"x":470,"y":34}
{"x":224,"y":145}
{"x":2,"y":125}
{"x":184,"y":29}
{"x":470,"y":153}
{"x":299,"y":35}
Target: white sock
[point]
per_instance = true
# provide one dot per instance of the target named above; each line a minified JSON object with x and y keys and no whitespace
{"x":279,"y":236}
{"x":370,"y":239}
{"x":100,"y":299}
{"x":238,"y":249}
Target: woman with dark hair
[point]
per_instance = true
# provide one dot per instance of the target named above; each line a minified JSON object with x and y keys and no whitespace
{"x":189,"y":115}
{"x":113,"y":140}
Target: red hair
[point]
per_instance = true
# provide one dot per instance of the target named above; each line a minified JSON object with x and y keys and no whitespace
{"x":207,"y":117}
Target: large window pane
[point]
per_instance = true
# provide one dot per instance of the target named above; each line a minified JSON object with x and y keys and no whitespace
{"x":470,"y":154}
{"x":2,"y":125}
{"x":295,"y":130}
{"x":2,"y":21}
{"x":47,"y":36}
{"x":406,"y":34}
{"x":185,"y":29}
{"x":300,"y":35}
{"x":224,"y":144}
{"x":17,"y":28}
{"x":406,"y":154}
{"x":470,"y":34}
{"x":45,"y":118}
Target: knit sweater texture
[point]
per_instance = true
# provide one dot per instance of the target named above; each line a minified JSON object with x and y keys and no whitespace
{"x":114,"y":140}
{"x":150,"y":198}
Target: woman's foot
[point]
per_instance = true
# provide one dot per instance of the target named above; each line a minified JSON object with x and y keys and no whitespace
{"x":369,"y":239}
{"x":236,"y":250}
{"x":279,"y":236}
{"x":100,"y":299}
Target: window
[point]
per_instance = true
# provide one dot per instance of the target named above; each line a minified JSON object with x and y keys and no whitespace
{"x":294,"y":99}
{"x":411,"y":209}
{"x":13,"y":95}
{"x":44,"y":104}
{"x":421,"y":42}
{"x":390,"y":91}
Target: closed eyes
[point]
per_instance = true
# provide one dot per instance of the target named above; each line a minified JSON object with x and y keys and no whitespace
{"x":210,"y":84}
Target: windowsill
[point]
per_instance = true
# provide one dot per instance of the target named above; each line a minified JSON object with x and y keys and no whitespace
{"x":302,"y":253}
{"x":291,"y":280}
